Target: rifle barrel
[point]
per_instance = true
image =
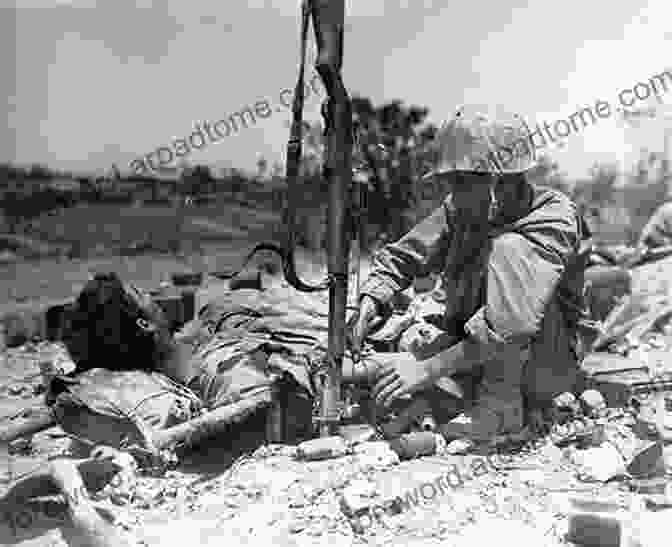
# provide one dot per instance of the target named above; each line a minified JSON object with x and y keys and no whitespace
{"x":329,"y":19}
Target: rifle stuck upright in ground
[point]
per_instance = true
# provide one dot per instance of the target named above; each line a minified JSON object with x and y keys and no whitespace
{"x":328,"y":20}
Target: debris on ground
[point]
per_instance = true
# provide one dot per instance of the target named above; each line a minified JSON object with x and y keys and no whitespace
{"x":604,"y":442}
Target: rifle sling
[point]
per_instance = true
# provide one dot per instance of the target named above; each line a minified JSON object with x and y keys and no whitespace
{"x":294,"y":145}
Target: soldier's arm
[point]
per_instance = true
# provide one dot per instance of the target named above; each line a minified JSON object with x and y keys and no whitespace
{"x":524,"y":271}
{"x":658,"y":230}
{"x":397,"y":264}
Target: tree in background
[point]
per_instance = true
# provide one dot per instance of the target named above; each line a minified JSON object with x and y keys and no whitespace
{"x":201,"y":180}
{"x":39,"y":172}
{"x":599,"y":188}
{"x":391,"y":152}
{"x":547,"y":173}
{"x":27,"y":194}
{"x":392,"y":142}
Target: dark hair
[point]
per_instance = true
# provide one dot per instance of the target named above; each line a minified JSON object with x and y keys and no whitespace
{"x":116,"y":326}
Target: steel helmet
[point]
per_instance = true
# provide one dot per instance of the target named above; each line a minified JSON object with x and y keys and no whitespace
{"x":485,"y":140}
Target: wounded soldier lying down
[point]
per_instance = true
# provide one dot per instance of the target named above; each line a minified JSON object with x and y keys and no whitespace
{"x":512,"y":282}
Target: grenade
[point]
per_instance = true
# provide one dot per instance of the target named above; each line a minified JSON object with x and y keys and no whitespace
{"x":416,"y":445}
{"x":419,"y":408}
{"x":322,"y":449}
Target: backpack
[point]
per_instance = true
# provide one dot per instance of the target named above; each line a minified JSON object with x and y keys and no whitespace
{"x":114,"y":408}
{"x":116,"y":326}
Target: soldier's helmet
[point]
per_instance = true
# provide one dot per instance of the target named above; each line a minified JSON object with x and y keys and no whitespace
{"x":487,"y":139}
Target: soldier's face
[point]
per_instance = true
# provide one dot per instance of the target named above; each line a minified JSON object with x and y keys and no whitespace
{"x":472,"y":196}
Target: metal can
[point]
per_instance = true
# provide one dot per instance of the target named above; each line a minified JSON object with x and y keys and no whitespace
{"x":322,"y":448}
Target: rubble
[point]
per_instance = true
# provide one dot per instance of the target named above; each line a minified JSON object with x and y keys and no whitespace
{"x":599,"y":464}
{"x":357,"y":496}
{"x":592,"y":403}
{"x":459,"y":446}
{"x":486,"y":529}
{"x":648,"y":460}
{"x":305,"y":492}
{"x":376,"y":454}
{"x":566,"y":402}
{"x":20,"y":446}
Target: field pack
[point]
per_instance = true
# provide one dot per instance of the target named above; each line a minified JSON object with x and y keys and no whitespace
{"x":115,"y":408}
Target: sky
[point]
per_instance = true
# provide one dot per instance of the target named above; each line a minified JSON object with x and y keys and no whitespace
{"x":102,"y":82}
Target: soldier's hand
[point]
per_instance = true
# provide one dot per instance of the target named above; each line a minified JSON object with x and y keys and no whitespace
{"x":65,"y":475}
{"x":404,"y":375}
{"x":360,"y":325}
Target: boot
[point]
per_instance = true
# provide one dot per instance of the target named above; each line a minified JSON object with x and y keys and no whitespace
{"x":498,"y":408}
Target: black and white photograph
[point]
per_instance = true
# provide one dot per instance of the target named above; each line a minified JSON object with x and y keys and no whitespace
{"x":335,"y":273}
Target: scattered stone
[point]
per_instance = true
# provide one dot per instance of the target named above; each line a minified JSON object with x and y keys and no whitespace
{"x":623,"y":438}
{"x":458,"y":447}
{"x":607,"y":522}
{"x":531,"y":476}
{"x":656,"y":340}
{"x":593,"y":403}
{"x":119,"y":498}
{"x":565,"y":401}
{"x":482,"y":532}
{"x":278,"y":481}
{"x":357,"y":434}
{"x":667,"y":459}
{"x":17,"y":390}
{"x":296,"y":527}
{"x":376,"y":454}
{"x":600,"y":464}
{"x":357,"y":496}
{"x":647,"y":461}
{"x":21,"y":446}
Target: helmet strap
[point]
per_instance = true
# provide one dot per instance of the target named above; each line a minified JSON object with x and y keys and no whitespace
{"x":494,"y":203}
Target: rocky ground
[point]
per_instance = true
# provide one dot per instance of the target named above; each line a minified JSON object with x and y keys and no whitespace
{"x":270,"y":495}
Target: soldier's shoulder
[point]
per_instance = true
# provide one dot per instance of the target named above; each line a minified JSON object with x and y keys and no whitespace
{"x":552,"y":199}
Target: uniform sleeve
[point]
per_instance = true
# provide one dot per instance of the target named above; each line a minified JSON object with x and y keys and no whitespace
{"x":658,"y":231}
{"x":524,"y":271}
{"x":396,"y":265}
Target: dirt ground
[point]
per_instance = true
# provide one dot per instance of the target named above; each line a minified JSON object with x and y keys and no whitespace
{"x":269,"y":496}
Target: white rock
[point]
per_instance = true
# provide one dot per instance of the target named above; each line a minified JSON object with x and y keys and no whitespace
{"x":564,"y":400}
{"x":653,"y":529}
{"x":601,"y":463}
{"x":531,"y":476}
{"x":358,"y":495}
{"x":592,"y":402}
{"x":458,"y":446}
{"x":493,"y":530}
{"x":376,"y":454}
